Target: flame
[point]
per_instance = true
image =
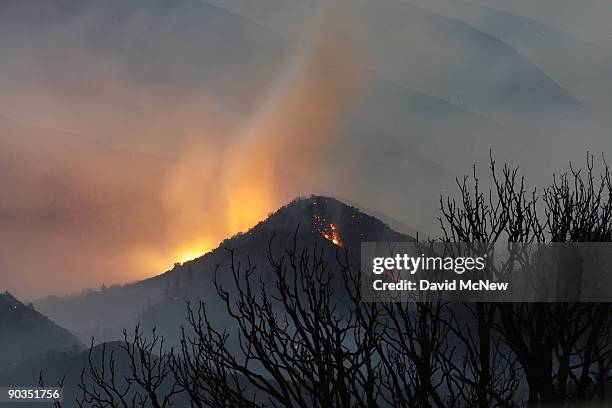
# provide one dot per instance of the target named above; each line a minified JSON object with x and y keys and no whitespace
{"x":328,"y":230}
{"x":333,"y":235}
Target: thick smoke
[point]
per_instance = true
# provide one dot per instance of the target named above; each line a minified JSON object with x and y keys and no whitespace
{"x":178,"y":124}
{"x":292,"y":130}
{"x":217,"y":191}
{"x":76,"y":213}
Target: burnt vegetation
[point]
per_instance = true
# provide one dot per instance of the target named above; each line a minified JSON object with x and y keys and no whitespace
{"x":309,"y":340}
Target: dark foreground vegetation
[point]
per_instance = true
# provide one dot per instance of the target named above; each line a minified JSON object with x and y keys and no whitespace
{"x":309,"y":340}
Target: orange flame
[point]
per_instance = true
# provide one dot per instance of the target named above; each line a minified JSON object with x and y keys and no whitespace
{"x":328,"y":230}
{"x":333,"y":235}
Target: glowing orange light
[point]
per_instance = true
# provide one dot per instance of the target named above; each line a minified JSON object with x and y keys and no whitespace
{"x":191,"y":253}
{"x":333,"y":235}
{"x":328,"y":230}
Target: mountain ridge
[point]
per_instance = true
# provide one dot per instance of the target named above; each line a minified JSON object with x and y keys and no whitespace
{"x":311,"y":218}
{"x":26,"y":333}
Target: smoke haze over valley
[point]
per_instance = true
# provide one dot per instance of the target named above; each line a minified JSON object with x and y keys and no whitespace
{"x":136,"y":134}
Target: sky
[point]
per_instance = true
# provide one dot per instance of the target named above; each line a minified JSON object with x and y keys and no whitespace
{"x":135,"y":135}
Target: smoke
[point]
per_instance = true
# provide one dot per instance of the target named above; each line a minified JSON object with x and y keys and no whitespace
{"x":76,"y":213}
{"x":217,"y":191}
{"x":292,"y":130}
{"x":208,"y":120}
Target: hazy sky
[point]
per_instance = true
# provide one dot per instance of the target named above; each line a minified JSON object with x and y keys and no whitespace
{"x":136,"y":134}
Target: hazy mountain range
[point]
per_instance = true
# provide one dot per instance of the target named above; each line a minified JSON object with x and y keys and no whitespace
{"x":130,"y":85}
{"x":140,"y":88}
{"x":115,"y":114}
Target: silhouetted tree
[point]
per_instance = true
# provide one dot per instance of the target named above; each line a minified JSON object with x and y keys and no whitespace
{"x":299,"y":345}
{"x":556,"y":344}
{"x":306,"y":340}
{"x":60,"y":385}
{"x":138,"y":377}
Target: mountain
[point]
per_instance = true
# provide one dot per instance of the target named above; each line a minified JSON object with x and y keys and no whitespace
{"x":415,"y":126}
{"x":319,"y":221}
{"x":160,"y":301}
{"x":431,"y":53}
{"x":323,"y":221}
{"x":145,"y":73}
{"x":25,"y":333}
{"x":586,"y":19}
{"x":581,"y":67}
{"x":459,"y":63}
{"x":231,"y":50}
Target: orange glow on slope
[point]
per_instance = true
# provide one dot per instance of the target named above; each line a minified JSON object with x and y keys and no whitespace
{"x":194,"y":252}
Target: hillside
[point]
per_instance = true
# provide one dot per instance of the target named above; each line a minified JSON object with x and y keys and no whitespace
{"x":321,"y":222}
{"x":25,"y":333}
{"x":312,"y":218}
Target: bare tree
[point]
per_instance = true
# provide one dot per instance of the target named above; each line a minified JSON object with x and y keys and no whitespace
{"x":56,"y":403}
{"x":139,"y":377}
{"x":557,"y":344}
{"x":306,"y":338}
{"x":313,"y":342}
{"x":299,"y":344}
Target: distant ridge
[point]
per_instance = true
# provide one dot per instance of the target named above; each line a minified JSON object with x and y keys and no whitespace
{"x":25,"y":333}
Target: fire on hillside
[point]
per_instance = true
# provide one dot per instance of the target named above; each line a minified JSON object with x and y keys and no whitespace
{"x":327,"y":229}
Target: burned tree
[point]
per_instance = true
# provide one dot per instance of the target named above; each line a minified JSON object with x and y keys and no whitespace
{"x":308,"y":339}
{"x":557,"y":344}
{"x":299,"y":345}
{"x":135,"y":373}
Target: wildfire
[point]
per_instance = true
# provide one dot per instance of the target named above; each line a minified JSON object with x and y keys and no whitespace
{"x":328,"y":230}
{"x":333,"y":236}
